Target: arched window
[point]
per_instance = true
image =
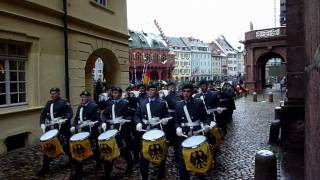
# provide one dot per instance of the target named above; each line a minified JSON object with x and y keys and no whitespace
{"x":139,"y":57}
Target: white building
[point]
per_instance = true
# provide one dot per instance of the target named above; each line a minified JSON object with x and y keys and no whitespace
{"x":98,"y":70}
{"x":233,"y":58}
{"x":218,"y":61}
{"x":200,"y":58}
{"x":182,"y":66}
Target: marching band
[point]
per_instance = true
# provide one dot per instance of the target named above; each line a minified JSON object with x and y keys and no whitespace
{"x":140,"y":126}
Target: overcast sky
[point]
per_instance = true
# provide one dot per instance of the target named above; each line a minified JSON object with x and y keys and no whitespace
{"x":202,"y":19}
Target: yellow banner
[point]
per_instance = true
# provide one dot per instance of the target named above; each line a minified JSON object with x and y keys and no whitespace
{"x":52,"y":148}
{"x":109,"y":149}
{"x":155,"y":151}
{"x":80,"y":150}
{"x":198,"y":160}
{"x":215,"y":139}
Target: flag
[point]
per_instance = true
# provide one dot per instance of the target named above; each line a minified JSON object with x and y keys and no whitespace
{"x":146,"y":78}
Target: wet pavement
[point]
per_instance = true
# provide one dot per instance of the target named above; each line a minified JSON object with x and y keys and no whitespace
{"x":247,"y":134}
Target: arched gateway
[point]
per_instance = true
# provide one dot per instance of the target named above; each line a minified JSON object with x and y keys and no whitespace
{"x":260,"y":47}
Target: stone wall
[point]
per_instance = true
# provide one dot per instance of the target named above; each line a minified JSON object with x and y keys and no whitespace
{"x":312,"y":51}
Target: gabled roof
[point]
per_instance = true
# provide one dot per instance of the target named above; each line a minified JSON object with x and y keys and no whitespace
{"x":146,"y":40}
{"x":177,"y":42}
{"x":225,"y":45}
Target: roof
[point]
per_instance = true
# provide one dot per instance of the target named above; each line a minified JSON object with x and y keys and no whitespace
{"x":146,"y":40}
{"x":225,"y":45}
{"x":195,"y":44}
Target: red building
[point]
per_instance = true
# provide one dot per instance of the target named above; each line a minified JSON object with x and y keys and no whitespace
{"x":148,"y":47}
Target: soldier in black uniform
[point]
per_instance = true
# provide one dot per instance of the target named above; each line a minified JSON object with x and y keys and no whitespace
{"x":227,"y":99}
{"x":172,"y":98}
{"x":110,"y":116}
{"x":142,"y":92}
{"x":56,"y":108}
{"x":132,"y":99}
{"x":209,"y":98}
{"x":137,"y":135}
{"x":87,"y":112}
{"x":158,"y":110}
{"x":190,"y":114}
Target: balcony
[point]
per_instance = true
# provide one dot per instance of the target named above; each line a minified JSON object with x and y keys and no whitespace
{"x":265,"y":34}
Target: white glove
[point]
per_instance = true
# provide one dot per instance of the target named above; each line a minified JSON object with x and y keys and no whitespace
{"x":43,"y":127}
{"x":219,"y":110}
{"x":164,"y":121}
{"x":207,"y":128}
{"x":139,"y":127}
{"x":104,"y":126}
{"x":212,"y":124}
{"x":72,"y":129}
{"x":179,"y":131}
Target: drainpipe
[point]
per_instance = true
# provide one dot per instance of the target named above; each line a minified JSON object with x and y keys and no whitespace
{"x":66,"y":54}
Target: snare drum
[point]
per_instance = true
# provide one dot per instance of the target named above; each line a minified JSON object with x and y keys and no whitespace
{"x":80,"y":146}
{"x":108,"y":144}
{"x":196,"y":154}
{"x":215,"y":137}
{"x":50,"y":143}
{"x":154,"y":146}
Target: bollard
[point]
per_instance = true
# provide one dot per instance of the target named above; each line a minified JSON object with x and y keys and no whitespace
{"x":270,"y":95}
{"x":277,"y":112}
{"x":255,"y":97}
{"x":265,"y":165}
{"x":274,"y":131}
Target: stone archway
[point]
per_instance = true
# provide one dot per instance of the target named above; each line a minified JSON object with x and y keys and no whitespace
{"x":111,"y":68}
{"x":261,"y":68}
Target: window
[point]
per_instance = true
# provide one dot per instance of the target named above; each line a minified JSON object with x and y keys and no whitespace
{"x":101,"y":2}
{"x":12,"y":74}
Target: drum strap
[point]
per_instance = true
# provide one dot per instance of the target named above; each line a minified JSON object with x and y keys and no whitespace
{"x":81,"y":115}
{"x":148,"y":111}
{"x":51,"y":111}
{"x":186,"y":112}
{"x":204,"y":103}
{"x":113,"y":112}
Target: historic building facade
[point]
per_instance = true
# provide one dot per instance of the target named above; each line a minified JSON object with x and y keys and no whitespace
{"x":151,"y":50}
{"x":46,"y":43}
{"x":200,"y":58}
{"x":182,"y":67}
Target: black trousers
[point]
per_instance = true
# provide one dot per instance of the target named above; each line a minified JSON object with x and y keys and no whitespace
{"x":124,"y":152}
{"x":144,"y":167}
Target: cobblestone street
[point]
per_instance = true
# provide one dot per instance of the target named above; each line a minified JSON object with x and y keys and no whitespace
{"x":247,"y":134}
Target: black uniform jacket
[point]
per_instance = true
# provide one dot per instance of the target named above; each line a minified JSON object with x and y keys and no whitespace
{"x":121,"y":109}
{"x":172,"y":98}
{"x":210,"y":98}
{"x":89,"y":112}
{"x":158,"y":108}
{"x":61,"y":108}
{"x":196,"y":111}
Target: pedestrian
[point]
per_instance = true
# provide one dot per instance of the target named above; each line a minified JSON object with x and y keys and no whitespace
{"x":55,"y":109}
{"x":87,"y":112}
